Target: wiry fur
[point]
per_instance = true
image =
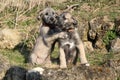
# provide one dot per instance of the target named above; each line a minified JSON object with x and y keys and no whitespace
{"x":72,"y":44}
{"x":41,"y":52}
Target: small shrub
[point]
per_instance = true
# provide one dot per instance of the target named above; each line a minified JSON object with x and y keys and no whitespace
{"x":110,"y":35}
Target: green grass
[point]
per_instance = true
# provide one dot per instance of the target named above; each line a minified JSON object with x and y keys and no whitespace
{"x":28,"y":22}
{"x":95,"y":58}
{"x":118,"y":78}
{"x":110,"y":35}
{"x":55,"y":53}
{"x":14,"y":56}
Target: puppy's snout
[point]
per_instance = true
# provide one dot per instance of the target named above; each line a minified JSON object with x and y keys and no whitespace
{"x":52,"y":19}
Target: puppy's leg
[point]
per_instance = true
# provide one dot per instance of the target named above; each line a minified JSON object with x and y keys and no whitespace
{"x":81,"y":49}
{"x":74,"y":56}
{"x":40,"y":53}
{"x":50,"y":38}
{"x":82,"y":54}
{"x":62,"y":58}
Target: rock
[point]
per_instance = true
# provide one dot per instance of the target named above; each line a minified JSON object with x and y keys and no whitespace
{"x":117,"y":26}
{"x":4,"y":65}
{"x":108,"y":25}
{"x":98,"y":28}
{"x":115,"y":45}
{"x":88,"y":47}
{"x":114,"y":64}
{"x":9,"y":38}
{"x":99,"y":44}
{"x":83,"y":31}
{"x":81,"y":73}
{"x":74,"y":73}
{"x":94,"y":27}
{"x":15,"y":73}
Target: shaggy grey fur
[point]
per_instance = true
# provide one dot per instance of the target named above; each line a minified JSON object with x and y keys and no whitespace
{"x":72,"y":44}
{"x":42,"y":49}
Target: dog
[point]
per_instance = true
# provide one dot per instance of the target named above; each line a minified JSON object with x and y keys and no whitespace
{"x":42,"y":49}
{"x":72,"y":44}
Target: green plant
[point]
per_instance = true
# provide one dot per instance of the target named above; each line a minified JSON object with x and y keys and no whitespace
{"x":118,"y":78}
{"x":110,"y":35}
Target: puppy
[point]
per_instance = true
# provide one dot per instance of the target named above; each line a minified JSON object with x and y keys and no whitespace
{"x":71,"y":45}
{"x":42,"y":49}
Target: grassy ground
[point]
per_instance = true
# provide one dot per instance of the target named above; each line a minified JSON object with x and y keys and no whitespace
{"x":95,"y":58}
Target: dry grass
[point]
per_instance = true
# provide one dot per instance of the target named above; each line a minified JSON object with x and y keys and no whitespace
{"x":15,"y":11}
{"x":22,"y":4}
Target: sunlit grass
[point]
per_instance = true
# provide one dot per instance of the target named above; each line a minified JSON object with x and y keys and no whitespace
{"x":14,"y":56}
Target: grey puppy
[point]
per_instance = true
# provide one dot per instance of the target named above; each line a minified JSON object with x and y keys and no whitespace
{"x":42,"y":49}
{"x":72,"y":45}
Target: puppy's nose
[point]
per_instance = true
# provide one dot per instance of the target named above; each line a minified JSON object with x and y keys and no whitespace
{"x":52,"y":19}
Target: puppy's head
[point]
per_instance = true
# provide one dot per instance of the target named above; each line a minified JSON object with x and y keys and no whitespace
{"x":66,"y":21}
{"x":48,"y":16}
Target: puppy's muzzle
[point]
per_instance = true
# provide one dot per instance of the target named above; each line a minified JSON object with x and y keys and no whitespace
{"x":52,"y":20}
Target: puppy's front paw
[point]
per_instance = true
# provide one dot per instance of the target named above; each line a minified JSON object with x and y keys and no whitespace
{"x":62,"y":35}
{"x":86,"y":64}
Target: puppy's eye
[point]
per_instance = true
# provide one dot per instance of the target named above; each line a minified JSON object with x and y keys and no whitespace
{"x":64,"y":17}
{"x":46,"y":13}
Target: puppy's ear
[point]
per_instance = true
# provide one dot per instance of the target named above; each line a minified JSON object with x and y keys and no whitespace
{"x":75,"y":22}
{"x":55,"y":14}
{"x":40,"y":14}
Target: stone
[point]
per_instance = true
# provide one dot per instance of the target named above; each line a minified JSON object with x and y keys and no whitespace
{"x":81,"y":73}
{"x":75,"y":73}
{"x":9,"y":38}
{"x":115,"y":45}
{"x":83,"y":31}
{"x":98,"y":28}
{"x":117,"y":26}
{"x":88,"y":47}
